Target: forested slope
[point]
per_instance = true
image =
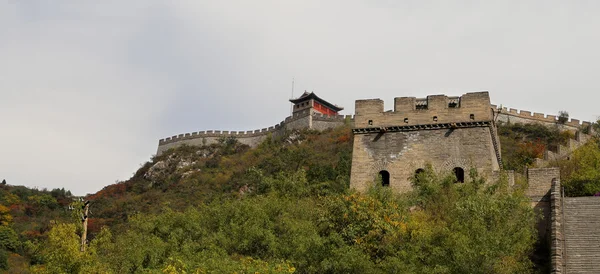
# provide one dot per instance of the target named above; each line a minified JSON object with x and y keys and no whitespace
{"x":285,"y":206}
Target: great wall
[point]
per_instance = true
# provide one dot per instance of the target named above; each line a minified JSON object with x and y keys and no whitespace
{"x":299,"y":120}
{"x":309,"y":118}
{"x":453,"y":133}
{"x":526,"y":117}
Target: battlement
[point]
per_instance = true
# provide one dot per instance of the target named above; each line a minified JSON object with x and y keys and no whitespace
{"x":434,"y":109}
{"x":525,"y":116}
{"x":299,"y":120}
{"x":323,"y":117}
{"x":219,"y":133}
{"x":298,"y":115}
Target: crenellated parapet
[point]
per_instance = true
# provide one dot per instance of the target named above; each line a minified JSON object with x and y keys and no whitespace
{"x":524,"y":116}
{"x":435,"y":109}
{"x":297,"y":115}
{"x":299,"y":120}
{"x":200,"y":138}
{"x":323,"y":117}
{"x":448,"y":133}
{"x":219,"y":134}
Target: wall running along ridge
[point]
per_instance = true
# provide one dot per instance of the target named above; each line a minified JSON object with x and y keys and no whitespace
{"x":300,"y":120}
{"x":310,"y":119}
{"x":512,"y":115}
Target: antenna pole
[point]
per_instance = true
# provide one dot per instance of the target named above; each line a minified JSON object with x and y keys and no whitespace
{"x":84,"y":222}
{"x":292,"y":107}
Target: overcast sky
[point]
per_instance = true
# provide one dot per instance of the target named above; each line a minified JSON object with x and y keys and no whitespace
{"x":87,"y":88}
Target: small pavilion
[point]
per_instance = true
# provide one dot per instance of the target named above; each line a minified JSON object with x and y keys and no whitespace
{"x":311,"y":100}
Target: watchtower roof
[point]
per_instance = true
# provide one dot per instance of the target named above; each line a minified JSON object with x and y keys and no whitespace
{"x":307,"y":96}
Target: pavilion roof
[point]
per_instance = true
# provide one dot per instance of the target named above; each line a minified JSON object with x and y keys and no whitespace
{"x":307,"y":96}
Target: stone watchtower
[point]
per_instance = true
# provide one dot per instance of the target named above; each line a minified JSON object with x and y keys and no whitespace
{"x":310,"y":101}
{"x":453,"y":134}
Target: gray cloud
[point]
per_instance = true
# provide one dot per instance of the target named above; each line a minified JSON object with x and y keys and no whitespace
{"x":87,"y":89}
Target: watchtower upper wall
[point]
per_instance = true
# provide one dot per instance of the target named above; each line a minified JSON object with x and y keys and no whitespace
{"x":431,"y":110}
{"x":368,"y":107}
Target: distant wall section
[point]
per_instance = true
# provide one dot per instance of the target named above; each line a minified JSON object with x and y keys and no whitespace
{"x":504,"y":114}
{"x":306,"y":119}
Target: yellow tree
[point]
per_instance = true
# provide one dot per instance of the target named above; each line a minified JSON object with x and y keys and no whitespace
{"x":5,"y":217}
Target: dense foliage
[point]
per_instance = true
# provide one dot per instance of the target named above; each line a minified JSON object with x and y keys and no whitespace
{"x":522,"y":143}
{"x":442,"y":227}
{"x":286,"y":207}
{"x":580,"y":171}
{"x":25,"y":216}
{"x":580,"y":174}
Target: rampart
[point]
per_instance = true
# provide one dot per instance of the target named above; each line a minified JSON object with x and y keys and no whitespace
{"x":300,"y":120}
{"x":557,"y":243}
{"x":435,"y":109}
{"x":453,"y":134}
{"x":538,"y":190}
{"x":512,"y":115}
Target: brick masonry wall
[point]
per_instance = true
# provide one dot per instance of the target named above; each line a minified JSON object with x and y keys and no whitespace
{"x":527,"y":117}
{"x":323,"y":122}
{"x":200,"y":140}
{"x":539,"y":182}
{"x":538,"y":190}
{"x":402,"y":153}
{"x":557,"y":243}
{"x":300,"y":120}
{"x":299,"y":123}
{"x":472,"y":107}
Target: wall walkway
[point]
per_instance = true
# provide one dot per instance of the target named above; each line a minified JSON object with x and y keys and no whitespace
{"x":582,"y":234}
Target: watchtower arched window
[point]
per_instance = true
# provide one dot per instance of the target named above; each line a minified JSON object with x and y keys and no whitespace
{"x":385,"y":178}
{"x":460,"y":174}
{"x":418,"y":171}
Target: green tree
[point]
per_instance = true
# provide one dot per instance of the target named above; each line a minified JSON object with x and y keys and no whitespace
{"x":61,"y":250}
{"x":3,"y":259}
{"x":582,"y":172}
{"x":9,"y":239}
{"x":563,"y":117}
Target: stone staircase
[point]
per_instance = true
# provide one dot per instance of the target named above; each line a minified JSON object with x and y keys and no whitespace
{"x":582,"y":234}
{"x":495,"y":142}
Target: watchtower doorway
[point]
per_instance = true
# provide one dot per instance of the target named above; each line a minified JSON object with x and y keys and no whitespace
{"x":460,"y":174}
{"x":385,"y":178}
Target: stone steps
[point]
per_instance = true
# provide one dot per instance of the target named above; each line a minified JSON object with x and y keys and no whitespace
{"x":582,"y":234}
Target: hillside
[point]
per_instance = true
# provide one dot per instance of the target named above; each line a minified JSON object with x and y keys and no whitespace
{"x":26,"y":216}
{"x":284,"y":206}
{"x":192,"y":176}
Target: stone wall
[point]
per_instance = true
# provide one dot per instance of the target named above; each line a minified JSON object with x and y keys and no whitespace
{"x":563,"y":151}
{"x":508,"y":175}
{"x":433,"y":109}
{"x":201,"y":138}
{"x":527,"y":117}
{"x":300,"y":120}
{"x":323,"y":122}
{"x":557,"y":243}
{"x":538,"y":190}
{"x":402,"y":153}
{"x":539,"y":182}
{"x":305,"y":119}
{"x":446,"y":132}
